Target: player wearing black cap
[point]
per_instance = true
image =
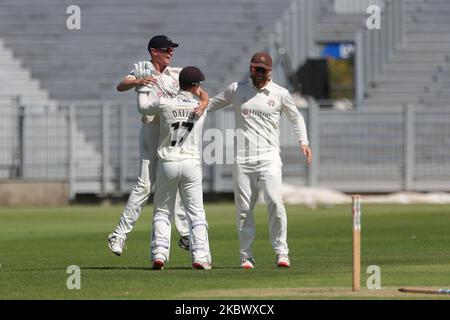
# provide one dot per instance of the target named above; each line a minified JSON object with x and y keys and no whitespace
{"x":152,"y":79}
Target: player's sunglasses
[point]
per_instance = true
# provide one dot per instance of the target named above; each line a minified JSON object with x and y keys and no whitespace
{"x":165,"y":50}
{"x":260,"y":70}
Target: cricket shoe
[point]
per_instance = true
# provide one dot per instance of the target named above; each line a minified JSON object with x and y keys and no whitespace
{"x":183,"y":243}
{"x":201,"y":265}
{"x":116,"y":244}
{"x":247,"y":263}
{"x":283,"y":261}
{"x":158,"y":264}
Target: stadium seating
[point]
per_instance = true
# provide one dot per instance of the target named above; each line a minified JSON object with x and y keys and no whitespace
{"x":219,"y":36}
{"x":332,"y":26}
{"x":114,"y":34}
{"x":418,"y":70}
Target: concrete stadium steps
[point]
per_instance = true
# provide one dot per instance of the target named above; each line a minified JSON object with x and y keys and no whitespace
{"x":391,"y":101}
{"x":17,"y":81}
{"x":413,"y":73}
{"x":416,"y":72}
{"x":416,"y":66}
{"x":425,"y":37}
{"x":404,"y":56}
{"x":402,"y":77}
{"x":429,"y":25}
{"x":107,"y":36}
{"x":333,"y":27}
{"x":407,"y":87}
{"x":427,"y":46}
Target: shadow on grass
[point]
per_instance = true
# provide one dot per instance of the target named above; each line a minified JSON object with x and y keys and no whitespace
{"x":148,"y":268}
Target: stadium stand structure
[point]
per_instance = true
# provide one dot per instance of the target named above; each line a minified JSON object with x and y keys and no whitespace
{"x":418,"y":70}
{"x":17,"y":81}
{"x":86,"y":64}
{"x":19,"y":88}
{"x":334,"y":26}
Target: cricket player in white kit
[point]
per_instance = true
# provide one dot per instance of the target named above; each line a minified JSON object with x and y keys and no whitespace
{"x":179,"y":168}
{"x":154,"y":79}
{"x":258,"y":104}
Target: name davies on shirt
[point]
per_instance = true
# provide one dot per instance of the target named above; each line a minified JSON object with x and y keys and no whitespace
{"x":183,"y":113}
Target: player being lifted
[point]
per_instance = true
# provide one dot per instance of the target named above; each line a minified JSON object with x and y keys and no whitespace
{"x":153,"y":78}
{"x":258,"y":104}
{"x":179,"y":168}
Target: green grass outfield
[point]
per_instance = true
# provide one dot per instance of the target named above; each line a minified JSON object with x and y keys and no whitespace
{"x":410,"y":243}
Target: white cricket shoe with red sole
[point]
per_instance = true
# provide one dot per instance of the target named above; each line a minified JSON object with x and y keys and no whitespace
{"x":247,"y":263}
{"x":283,"y":261}
{"x":201,"y":265}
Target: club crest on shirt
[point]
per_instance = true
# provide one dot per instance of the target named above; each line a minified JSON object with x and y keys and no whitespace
{"x":175,"y":83}
{"x":160,"y":94}
{"x":271,"y":102}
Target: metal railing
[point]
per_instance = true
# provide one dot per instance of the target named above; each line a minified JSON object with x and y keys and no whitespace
{"x":94,"y":148}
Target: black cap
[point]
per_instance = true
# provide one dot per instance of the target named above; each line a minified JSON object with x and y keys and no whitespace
{"x":161,"y":41}
{"x":190,"y":76}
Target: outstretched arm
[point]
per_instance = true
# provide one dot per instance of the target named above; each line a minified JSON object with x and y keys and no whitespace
{"x":140,"y":76}
{"x":298,"y":123}
{"x":222,"y":99}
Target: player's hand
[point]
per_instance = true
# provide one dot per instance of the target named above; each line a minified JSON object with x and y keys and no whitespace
{"x":198,"y":111}
{"x":307,"y":153}
{"x":148,"y":81}
{"x":142,"y":69}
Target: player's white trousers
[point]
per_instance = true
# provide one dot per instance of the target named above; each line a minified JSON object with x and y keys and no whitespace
{"x":148,"y":144}
{"x":247,"y":181}
{"x":185,"y":176}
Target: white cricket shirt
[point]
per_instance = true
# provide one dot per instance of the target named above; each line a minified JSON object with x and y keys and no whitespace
{"x":180,"y":131}
{"x":168,"y":86}
{"x":257,"y":118}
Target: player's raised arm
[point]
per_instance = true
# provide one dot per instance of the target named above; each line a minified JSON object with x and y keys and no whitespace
{"x":139,"y":76}
{"x":127,"y":83}
{"x":298,"y":123}
{"x":222,"y":99}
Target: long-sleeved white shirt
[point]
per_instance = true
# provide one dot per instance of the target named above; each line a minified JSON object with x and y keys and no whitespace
{"x":257,"y":118}
{"x":180,"y":132}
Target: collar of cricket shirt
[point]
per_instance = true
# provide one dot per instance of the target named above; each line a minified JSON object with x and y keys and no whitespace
{"x":166,"y":70}
{"x":186,"y":94}
{"x":265,"y":89}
